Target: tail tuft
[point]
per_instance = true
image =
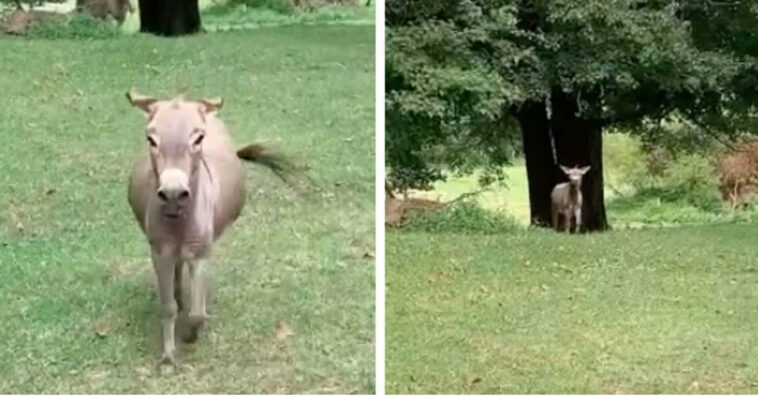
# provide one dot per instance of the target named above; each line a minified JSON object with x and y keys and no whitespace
{"x":270,"y":158}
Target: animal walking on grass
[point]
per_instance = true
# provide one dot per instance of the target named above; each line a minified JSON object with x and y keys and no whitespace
{"x":184,"y":193}
{"x":566,"y":200}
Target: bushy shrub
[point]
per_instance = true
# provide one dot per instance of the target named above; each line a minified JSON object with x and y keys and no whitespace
{"x":464,"y":217}
{"x":625,"y":162}
{"x":289,"y":6}
{"x":694,"y":177}
{"x":281,"y":6}
{"x":642,"y":171}
{"x":78,"y":25}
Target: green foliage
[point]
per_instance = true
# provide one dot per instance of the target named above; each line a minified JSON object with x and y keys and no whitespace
{"x":678,"y":169}
{"x":284,"y":6}
{"x":624,"y":162}
{"x":78,"y":25}
{"x":668,"y":207}
{"x":281,"y":6}
{"x":223,"y":17}
{"x":27,"y":2}
{"x":675,"y":135}
{"x":690,"y":180}
{"x":663,"y":183}
{"x":659,"y":185}
{"x":464,"y":217}
{"x":445,"y":97}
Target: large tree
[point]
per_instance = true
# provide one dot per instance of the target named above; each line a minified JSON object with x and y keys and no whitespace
{"x":464,"y":70}
{"x":169,"y":17}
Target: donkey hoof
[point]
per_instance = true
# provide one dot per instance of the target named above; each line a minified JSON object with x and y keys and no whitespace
{"x":196,"y":320}
{"x":191,"y":335}
{"x":167,"y":369}
{"x":167,"y":365}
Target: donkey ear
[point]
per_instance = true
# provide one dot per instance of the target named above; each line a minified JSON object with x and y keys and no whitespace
{"x":564,"y":169}
{"x":145,"y":103}
{"x":211,"y":105}
{"x":585,"y":169}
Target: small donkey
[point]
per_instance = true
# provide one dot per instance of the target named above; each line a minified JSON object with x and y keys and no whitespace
{"x":184,"y":193}
{"x":567,"y":199}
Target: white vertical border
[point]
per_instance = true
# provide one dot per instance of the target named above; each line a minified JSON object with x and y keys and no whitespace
{"x":379,"y":264}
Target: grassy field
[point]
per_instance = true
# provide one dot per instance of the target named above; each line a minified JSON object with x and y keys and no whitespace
{"x":666,"y":310}
{"x":511,"y":198}
{"x":79,"y":306}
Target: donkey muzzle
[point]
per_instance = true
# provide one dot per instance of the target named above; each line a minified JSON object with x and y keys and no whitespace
{"x":173,"y":192}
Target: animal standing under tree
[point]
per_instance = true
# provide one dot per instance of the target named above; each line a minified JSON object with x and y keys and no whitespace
{"x":566,"y":199}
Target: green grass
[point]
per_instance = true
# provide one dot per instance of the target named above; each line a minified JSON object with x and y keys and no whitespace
{"x":72,"y":258}
{"x":665,"y":310}
{"x":511,"y":198}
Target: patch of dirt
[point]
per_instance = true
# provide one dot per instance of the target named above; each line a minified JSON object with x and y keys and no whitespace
{"x":398,"y":210}
{"x":714,"y":384}
{"x":17,"y":22}
{"x":13,"y":225}
{"x":118,"y":9}
{"x":283,"y":330}
{"x":140,"y":269}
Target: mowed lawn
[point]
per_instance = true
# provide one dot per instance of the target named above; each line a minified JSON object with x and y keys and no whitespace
{"x":79,"y":306}
{"x":666,"y":310}
{"x":511,"y":198}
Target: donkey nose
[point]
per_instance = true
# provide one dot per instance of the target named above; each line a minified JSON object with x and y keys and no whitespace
{"x":173,"y":186}
{"x":173,"y":194}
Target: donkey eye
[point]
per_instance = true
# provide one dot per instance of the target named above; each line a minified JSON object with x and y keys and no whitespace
{"x":198,"y":140}
{"x":152,"y":142}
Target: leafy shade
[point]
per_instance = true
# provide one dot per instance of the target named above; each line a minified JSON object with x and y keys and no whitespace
{"x":445,"y":97}
{"x":459,"y":73}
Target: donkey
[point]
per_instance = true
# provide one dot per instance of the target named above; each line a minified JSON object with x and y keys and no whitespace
{"x":184,"y":193}
{"x":566,"y":199}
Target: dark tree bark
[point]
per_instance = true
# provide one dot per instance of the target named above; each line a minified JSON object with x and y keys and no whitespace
{"x":169,"y":17}
{"x":579,"y":142}
{"x":540,"y":168}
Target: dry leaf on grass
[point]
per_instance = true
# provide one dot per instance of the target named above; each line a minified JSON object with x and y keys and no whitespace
{"x":102,"y":329}
{"x":283,"y":331}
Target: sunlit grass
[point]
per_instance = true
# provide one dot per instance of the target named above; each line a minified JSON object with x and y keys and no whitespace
{"x":73,"y":261}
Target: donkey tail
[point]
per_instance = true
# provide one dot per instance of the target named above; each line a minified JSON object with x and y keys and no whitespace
{"x":270,"y":158}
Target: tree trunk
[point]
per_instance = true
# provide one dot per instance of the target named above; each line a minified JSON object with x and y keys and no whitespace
{"x":541,"y":172}
{"x":579,"y":142}
{"x":169,"y":17}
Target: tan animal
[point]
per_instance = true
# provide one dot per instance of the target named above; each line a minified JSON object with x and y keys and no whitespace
{"x":118,"y":9}
{"x":17,"y":22}
{"x":566,"y":199}
{"x":184,"y":193}
{"x":738,"y":174}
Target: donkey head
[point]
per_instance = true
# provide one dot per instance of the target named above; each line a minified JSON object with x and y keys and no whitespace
{"x":175,"y":132}
{"x":575,"y":175}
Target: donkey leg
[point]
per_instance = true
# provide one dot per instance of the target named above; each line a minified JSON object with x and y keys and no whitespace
{"x":165,"y":269}
{"x":178,"y":296}
{"x":578,"y":216}
{"x":565,"y":222}
{"x":198,"y":313}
